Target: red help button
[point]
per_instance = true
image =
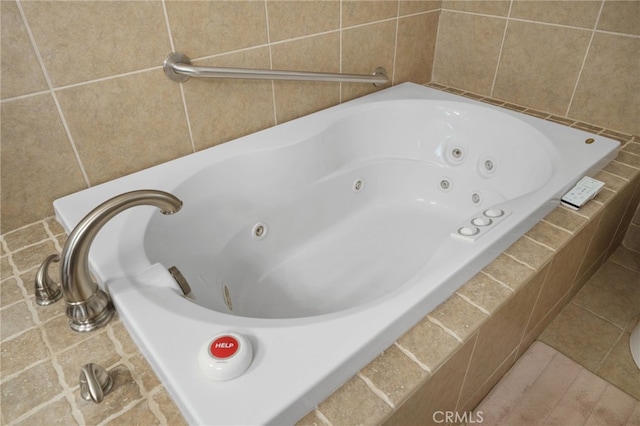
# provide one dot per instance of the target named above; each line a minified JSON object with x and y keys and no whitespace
{"x":224,"y":347}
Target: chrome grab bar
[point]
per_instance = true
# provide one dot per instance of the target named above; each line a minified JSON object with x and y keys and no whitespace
{"x":178,"y":68}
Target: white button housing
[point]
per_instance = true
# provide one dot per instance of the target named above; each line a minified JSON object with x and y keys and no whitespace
{"x":225,"y":356}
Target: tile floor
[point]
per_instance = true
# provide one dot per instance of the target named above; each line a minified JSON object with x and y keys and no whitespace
{"x":580,"y":371}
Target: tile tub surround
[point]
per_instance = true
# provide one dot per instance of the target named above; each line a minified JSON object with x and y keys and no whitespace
{"x":448,"y":361}
{"x":556,"y":56}
{"x":84,"y":99}
{"x":53,"y":80}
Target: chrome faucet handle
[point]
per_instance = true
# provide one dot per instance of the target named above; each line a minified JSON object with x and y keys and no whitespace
{"x":95,"y":382}
{"x":47,"y":290}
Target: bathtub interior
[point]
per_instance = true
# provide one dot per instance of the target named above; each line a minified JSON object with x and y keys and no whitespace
{"x":347,"y":215}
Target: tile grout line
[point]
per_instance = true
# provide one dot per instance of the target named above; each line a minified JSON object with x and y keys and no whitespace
{"x":602,"y":361}
{"x":584,"y":59}
{"x":180,"y":85}
{"x":474,"y":336}
{"x":412,"y":357}
{"x":52,"y":92}
{"x":499,"y":59}
{"x":531,"y":21}
{"x":375,"y":389}
{"x":270,"y":52}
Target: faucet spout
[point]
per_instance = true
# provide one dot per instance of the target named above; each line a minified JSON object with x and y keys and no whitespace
{"x":88,"y":306}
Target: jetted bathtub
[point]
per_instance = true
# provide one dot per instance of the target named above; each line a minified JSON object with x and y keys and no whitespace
{"x":324,"y":239}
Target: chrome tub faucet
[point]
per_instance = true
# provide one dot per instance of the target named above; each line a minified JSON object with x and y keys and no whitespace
{"x":88,"y":306}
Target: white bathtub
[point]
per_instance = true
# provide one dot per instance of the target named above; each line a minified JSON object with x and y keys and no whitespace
{"x":324,"y":239}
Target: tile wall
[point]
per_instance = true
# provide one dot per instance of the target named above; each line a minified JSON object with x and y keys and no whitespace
{"x":84,"y":98}
{"x":576,"y":59}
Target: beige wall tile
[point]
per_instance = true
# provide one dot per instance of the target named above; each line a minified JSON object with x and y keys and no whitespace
{"x":500,"y":335}
{"x":574,"y":13}
{"x":37,"y":164}
{"x":394,"y":374}
{"x":485,"y":292}
{"x":531,"y":253}
{"x":566,"y":219}
{"x":289,"y":19}
{"x":562,"y":273}
{"x":546,"y":81}
{"x":353,"y":403}
{"x":459,"y":317}
{"x":611,"y":218}
{"x":488,"y":7}
{"x":221,"y":110}
{"x":202,"y":28}
{"x":439,"y":393}
{"x":21,"y":72}
{"x":632,"y":208}
{"x":364,"y":49}
{"x":622,"y":170}
{"x":467,"y":51}
{"x":416,"y":46}
{"x":620,"y":16}
{"x":509,"y":271}
{"x":607,"y":91}
{"x":428,"y":343}
{"x":408,"y":7}
{"x":126,"y":124}
{"x":81,"y":41}
{"x":364,"y":11}
{"x":320,"y":53}
{"x":549,"y":235}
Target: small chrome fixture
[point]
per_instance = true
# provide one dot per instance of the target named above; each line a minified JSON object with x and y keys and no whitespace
{"x":445,"y":184}
{"x":181,"y":280}
{"x":95,"y":382}
{"x":358,"y":185}
{"x":259,"y":231}
{"x":88,"y":306}
{"x":47,"y":291}
{"x":476,"y":198}
{"x":177,"y":67}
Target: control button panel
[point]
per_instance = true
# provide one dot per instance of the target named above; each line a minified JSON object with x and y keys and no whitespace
{"x":478,"y":225}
